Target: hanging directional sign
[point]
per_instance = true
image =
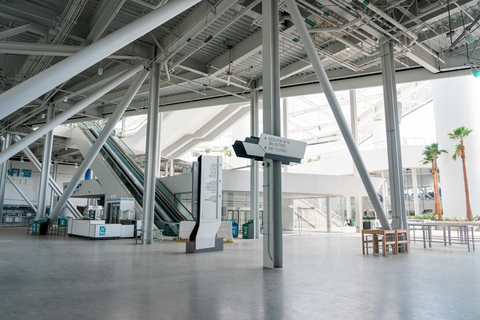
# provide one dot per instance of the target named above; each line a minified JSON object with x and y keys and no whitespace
{"x":270,"y":147}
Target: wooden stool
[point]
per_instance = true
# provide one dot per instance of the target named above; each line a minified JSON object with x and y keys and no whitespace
{"x":404,"y":241}
{"x":387,"y":242}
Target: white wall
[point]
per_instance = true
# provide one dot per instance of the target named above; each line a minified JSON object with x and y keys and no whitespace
{"x":456,"y":104}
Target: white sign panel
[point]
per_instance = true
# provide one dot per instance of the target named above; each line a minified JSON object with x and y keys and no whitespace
{"x":282,"y":146}
{"x":210,"y":201}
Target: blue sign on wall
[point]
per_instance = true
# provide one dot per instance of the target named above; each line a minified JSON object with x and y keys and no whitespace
{"x":103,"y":230}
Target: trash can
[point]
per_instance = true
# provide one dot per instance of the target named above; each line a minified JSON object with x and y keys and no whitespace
{"x":248,"y":232}
{"x":352,"y":221}
{"x":367,"y":224}
{"x":234,"y":228}
{"x":40,"y":227}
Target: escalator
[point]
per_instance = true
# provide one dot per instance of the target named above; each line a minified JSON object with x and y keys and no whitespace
{"x":129,"y":170}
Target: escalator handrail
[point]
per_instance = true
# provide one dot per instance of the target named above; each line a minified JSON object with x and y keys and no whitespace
{"x":159,"y":191}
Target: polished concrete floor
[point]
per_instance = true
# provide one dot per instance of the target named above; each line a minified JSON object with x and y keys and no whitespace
{"x":325,"y":276}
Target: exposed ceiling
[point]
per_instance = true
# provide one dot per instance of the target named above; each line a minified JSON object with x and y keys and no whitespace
{"x":211,"y":53}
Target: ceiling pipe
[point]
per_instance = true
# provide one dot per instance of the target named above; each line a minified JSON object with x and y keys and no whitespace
{"x":149,"y":5}
{"x":341,"y":28}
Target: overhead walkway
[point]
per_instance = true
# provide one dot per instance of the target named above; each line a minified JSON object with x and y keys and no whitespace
{"x":121,"y":174}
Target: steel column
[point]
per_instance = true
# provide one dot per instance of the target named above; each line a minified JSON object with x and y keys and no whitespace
{"x":392,"y":119}
{"x":151,"y":157}
{"x":45,"y":173}
{"x":51,"y":182}
{"x":272,"y":189}
{"x":329,"y":214}
{"x":416,"y":204}
{"x":285,"y":123}
{"x":159,"y":146}
{"x":54,"y":177}
{"x":20,"y":95}
{"x":22,"y":194}
{"x":354,"y":127}
{"x":254,"y":169}
{"x":337,"y":111}
{"x":107,"y":130}
{"x":76,"y":108}
{"x":3,"y":175}
{"x":171,"y":167}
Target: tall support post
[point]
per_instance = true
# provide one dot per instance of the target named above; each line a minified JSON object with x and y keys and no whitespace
{"x":329,"y":214}
{"x":98,"y":144}
{"x":159,"y":145}
{"x":59,"y":191}
{"x":392,"y":119}
{"x":151,"y":157}
{"x":254,"y":169}
{"x":285,"y":123}
{"x":76,"y":108}
{"x":34,"y":87}
{"x":46,"y":160}
{"x":337,"y":111}
{"x":171,"y":167}
{"x":54,"y":177}
{"x":348,"y":200}
{"x":416,"y":204}
{"x":272,"y":190}
{"x":3,"y":175}
{"x":385,"y":192}
{"x":22,"y":194}
{"x":354,"y":128}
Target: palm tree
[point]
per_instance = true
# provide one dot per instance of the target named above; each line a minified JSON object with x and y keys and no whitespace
{"x":431,"y":154}
{"x":459,"y":134}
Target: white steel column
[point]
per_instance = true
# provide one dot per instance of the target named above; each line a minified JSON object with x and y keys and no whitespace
{"x":3,"y":174}
{"x":159,"y":146}
{"x":354,"y":127}
{"x":285,"y":123}
{"x":171,"y":167}
{"x":392,"y":119}
{"x":54,"y":177}
{"x":254,"y":169}
{"x":58,"y":120}
{"x":46,"y":160}
{"x":337,"y":111}
{"x":107,"y":130}
{"x":151,"y":157}
{"x":349,"y":207}
{"x":272,"y":190}
{"x":416,"y":203}
{"x":34,"y":87}
{"x":329,"y":214}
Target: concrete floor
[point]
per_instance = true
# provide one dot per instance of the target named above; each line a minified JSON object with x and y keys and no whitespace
{"x":325,"y":276}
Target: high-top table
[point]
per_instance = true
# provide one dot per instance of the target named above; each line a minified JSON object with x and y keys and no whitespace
{"x":464,"y":229}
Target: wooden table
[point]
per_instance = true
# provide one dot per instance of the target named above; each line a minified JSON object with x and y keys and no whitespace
{"x":379,"y":232}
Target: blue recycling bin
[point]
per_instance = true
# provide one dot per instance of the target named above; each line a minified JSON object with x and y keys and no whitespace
{"x":234,"y":228}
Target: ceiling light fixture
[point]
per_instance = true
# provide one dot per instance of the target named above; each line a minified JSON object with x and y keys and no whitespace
{"x":76,"y":166}
{"x":100,"y":71}
{"x":65,"y":99}
{"x":21,"y":160}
